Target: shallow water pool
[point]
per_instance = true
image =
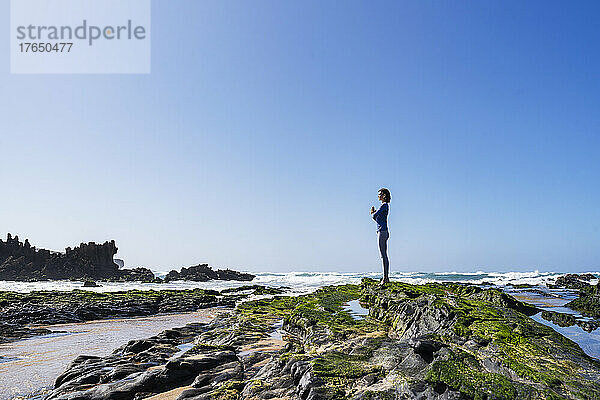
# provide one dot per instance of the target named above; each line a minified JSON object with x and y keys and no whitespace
{"x":30,"y":366}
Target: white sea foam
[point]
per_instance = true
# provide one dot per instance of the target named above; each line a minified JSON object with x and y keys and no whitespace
{"x":303,"y":282}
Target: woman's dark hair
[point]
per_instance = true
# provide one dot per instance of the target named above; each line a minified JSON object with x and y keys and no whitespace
{"x":387,"y":197}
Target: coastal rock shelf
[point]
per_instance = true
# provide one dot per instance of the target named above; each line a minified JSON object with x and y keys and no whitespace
{"x":20,"y":312}
{"x":434,"y":341}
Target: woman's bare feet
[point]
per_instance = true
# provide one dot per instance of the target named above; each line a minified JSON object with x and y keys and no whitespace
{"x":384,"y":281}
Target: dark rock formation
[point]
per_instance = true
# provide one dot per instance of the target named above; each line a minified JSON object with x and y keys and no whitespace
{"x":90,"y":261}
{"x":562,"y":319}
{"x":139,"y":274}
{"x":588,"y":302}
{"x":572,"y":281}
{"x":203,"y":273}
{"x":145,"y":367}
{"x":9,"y":332}
{"x":20,"y":261}
{"x":521,"y":285}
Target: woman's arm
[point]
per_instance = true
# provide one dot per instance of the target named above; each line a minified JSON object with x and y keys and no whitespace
{"x":376,"y":213}
{"x":382,"y":209}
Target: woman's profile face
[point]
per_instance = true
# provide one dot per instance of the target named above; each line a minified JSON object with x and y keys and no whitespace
{"x":380,"y":195}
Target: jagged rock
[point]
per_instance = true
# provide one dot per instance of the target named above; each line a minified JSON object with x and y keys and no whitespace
{"x":560,"y":319}
{"x":564,"y":320}
{"x":203,"y":273}
{"x":21,"y":262}
{"x":139,"y":274}
{"x":573,"y":281}
{"x":219,"y":372}
{"x":588,"y":302}
{"x":10,"y":332}
{"x":90,"y":261}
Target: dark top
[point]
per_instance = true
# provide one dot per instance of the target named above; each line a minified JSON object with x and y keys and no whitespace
{"x":380,"y":216}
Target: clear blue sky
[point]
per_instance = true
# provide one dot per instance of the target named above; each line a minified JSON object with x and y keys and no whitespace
{"x":265,"y":129}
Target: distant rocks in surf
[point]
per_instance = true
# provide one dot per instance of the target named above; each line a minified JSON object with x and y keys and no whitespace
{"x":139,"y":274}
{"x":572,"y":281}
{"x":19,"y":261}
{"x":204,"y":273}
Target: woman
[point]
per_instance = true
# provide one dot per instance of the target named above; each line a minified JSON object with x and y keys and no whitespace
{"x":380,"y":216}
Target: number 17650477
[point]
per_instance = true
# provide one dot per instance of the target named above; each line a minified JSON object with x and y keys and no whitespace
{"x":45,"y":47}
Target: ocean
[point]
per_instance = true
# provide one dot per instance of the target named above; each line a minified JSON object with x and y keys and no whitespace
{"x":305,"y":282}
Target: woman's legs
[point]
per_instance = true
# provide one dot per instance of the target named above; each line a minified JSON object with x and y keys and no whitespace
{"x":382,"y":238}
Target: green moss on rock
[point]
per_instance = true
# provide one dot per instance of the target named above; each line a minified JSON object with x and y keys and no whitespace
{"x":462,"y":373}
{"x":546,"y":361}
{"x":588,"y":302}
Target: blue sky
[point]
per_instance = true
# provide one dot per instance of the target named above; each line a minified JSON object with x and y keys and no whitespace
{"x":262,"y":134}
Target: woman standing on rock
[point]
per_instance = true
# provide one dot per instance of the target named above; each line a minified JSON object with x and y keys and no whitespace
{"x":380,"y":216}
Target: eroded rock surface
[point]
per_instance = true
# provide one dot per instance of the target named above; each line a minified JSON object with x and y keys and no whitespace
{"x":435,"y":341}
{"x":140,"y":367}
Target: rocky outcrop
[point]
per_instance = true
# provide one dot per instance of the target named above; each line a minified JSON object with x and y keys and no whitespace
{"x":434,"y":341}
{"x":203,"y":273}
{"x":588,"y":302}
{"x":564,"y":320}
{"x":21,"y":261}
{"x":573,"y":281}
{"x":139,"y":274}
